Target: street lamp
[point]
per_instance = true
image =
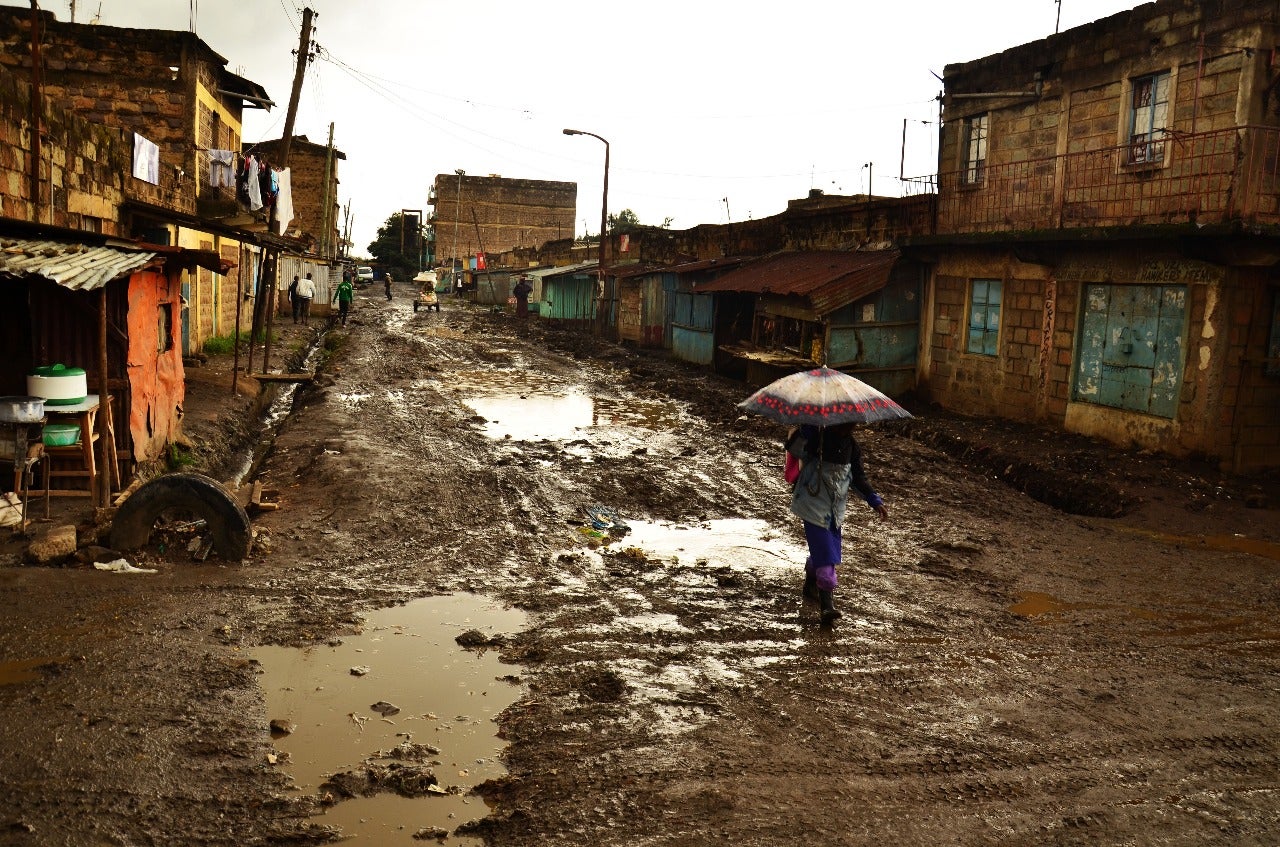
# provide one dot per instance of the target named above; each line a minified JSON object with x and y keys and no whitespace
{"x":454,"y":274}
{"x":604,"y":205}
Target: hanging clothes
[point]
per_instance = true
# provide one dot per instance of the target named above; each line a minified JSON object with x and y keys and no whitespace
{"x":265,"y":183}
{"x":252,"y":189}
{"x":284,"y":201}
{"x":221,"y":168}
{"x":146,"y":160}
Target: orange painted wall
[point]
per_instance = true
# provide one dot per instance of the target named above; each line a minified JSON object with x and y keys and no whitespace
{"x":155,"y":375}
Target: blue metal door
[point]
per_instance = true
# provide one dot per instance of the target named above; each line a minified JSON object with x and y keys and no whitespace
{"x":1130,"y":351}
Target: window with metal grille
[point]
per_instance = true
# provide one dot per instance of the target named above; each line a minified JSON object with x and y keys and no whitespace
{"x":984,"y":316}
{"x":974,"y":141}
{"x":1148,"y":119}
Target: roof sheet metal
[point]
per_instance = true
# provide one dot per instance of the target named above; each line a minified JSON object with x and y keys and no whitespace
{"x":828,"y":279}
{"x":707,"y":264}
{"x":81,"y":267}
{"x":564,"y":270}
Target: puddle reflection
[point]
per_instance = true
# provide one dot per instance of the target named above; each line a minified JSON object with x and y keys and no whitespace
{"x":447,"y":698}
{"x":25,"y":670}
{"x":737,"y":542}
{"x":535,"y":416}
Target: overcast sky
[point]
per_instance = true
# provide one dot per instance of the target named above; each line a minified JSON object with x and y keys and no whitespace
{"x":715,"y":110}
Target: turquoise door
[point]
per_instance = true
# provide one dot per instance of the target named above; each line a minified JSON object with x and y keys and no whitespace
{"x":1130,"y":351}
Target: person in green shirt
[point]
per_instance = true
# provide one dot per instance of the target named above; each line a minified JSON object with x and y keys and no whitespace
{"x":343,"y":295}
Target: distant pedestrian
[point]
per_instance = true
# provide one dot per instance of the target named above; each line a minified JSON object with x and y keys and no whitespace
{"x":293,"y":298}
{"x":521,"y":291}
{"x":343,"y":296}
{"x":387,"y":284}
{"x":306,"y":293}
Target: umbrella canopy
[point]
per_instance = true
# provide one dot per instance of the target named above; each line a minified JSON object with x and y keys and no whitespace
{"x":823,"y":397}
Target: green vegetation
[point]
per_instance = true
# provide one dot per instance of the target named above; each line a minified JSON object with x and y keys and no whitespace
{"x":179,"y":458}
{"x":220,"y":344}
{"x":399,"y":249}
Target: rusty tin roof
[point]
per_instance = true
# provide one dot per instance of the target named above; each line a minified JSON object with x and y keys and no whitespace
{"x":828,"y":279}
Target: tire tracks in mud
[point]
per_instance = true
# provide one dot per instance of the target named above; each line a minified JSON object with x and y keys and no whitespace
{"x":676,"y":703}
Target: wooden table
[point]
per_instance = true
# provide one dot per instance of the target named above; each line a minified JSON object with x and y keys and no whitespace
{"x":85,"y":414}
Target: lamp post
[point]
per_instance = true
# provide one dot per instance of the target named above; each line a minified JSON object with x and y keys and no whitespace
{"x":454,"y":274}
{"x":604,"y":209}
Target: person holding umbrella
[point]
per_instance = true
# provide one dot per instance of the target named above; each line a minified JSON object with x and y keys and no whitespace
{"x":830,"y":464}
{"x":822,"y":405}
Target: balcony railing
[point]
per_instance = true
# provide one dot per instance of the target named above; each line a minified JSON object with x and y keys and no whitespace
{"x":1205,"y":178}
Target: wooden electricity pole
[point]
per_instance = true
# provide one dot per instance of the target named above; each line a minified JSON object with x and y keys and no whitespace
{"x":304,"y":49}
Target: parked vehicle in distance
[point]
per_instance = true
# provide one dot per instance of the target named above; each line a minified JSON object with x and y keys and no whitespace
{"x":364,"y":275}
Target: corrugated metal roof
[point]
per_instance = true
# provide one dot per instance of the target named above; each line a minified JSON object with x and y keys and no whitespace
{"x":707,"y":264}
{"x":563,"y":270}
{"x":827,"y":279}
{"x":802,"y":272}
{"x":72,"y":265}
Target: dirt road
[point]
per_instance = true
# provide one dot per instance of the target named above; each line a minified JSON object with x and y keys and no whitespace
{"x":1006,"y":672}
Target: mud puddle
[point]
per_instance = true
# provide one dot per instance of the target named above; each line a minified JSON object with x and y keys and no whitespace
{"x":1235,"y":543}
{"x":556,"y":417}
{"x":734,"y":542}
{"x":26,"y":670}
{"x":402,"y":697}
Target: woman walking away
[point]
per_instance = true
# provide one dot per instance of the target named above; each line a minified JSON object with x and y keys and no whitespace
{"x":830,"y":462}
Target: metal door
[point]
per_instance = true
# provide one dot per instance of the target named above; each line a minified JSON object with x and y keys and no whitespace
{"x":1130,"y":350}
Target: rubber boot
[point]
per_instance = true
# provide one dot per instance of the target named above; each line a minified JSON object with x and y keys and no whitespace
{"x":810,"y":591}
{"x":829,"y":611}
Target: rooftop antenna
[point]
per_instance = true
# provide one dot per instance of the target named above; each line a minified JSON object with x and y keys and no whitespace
{"x":73,"y":11}
{"x":194,"y":6}
{"x":727,"y":215}
{"x":1058,"y":22}
{"x":97,"y":18}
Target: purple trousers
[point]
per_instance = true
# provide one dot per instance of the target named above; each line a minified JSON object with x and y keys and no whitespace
{"x":824,"y":554}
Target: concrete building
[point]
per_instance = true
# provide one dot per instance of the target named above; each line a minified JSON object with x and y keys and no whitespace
{"x":492,"y":214}
{"x":1106,"y":255}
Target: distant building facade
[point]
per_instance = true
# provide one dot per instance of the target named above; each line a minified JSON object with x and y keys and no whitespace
{"x":494,"y":214}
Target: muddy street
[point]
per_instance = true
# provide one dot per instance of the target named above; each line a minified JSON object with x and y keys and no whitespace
{"x":1005,"y":672}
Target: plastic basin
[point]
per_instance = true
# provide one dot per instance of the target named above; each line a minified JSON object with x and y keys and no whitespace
{"x":61,"y":435}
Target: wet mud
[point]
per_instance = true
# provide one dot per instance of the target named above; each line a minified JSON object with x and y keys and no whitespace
{"x":1012,"y":667}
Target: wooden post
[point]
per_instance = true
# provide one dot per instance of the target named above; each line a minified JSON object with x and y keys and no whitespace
{"x":235,"y":344}
{"x":103,"y":494}
{"x":273,"y":259}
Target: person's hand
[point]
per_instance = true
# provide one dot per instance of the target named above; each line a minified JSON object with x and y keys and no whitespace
{"x":883,"y":511}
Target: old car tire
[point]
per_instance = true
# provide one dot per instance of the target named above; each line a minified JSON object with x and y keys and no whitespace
{"x":198,"y":494}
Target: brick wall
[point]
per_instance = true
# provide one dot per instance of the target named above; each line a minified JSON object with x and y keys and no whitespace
{"x":510,"y":213}
{"x":306,"y":177}
{"x":1085,"y":105}
{"x":1009,"y":384}
{"x":122,"y":78}
{"x":86,"y":170}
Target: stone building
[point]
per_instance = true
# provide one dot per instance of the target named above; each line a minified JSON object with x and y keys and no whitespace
{"x":167,"y":89}
{"x":508,"y":214}
{"x":315,"y":201}
{"x":1105,"y":255}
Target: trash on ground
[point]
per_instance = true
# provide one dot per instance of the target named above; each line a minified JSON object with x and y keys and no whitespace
{"x":121,"y":566}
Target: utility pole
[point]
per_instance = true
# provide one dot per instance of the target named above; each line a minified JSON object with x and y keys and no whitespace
{"x":327,"y":224}
{"x":304,"y":49}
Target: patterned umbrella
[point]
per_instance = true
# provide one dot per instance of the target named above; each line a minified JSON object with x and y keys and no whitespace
{"x":823,"y":397}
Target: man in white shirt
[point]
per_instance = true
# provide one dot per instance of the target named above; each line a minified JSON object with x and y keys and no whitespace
{"x":306,"y":292}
